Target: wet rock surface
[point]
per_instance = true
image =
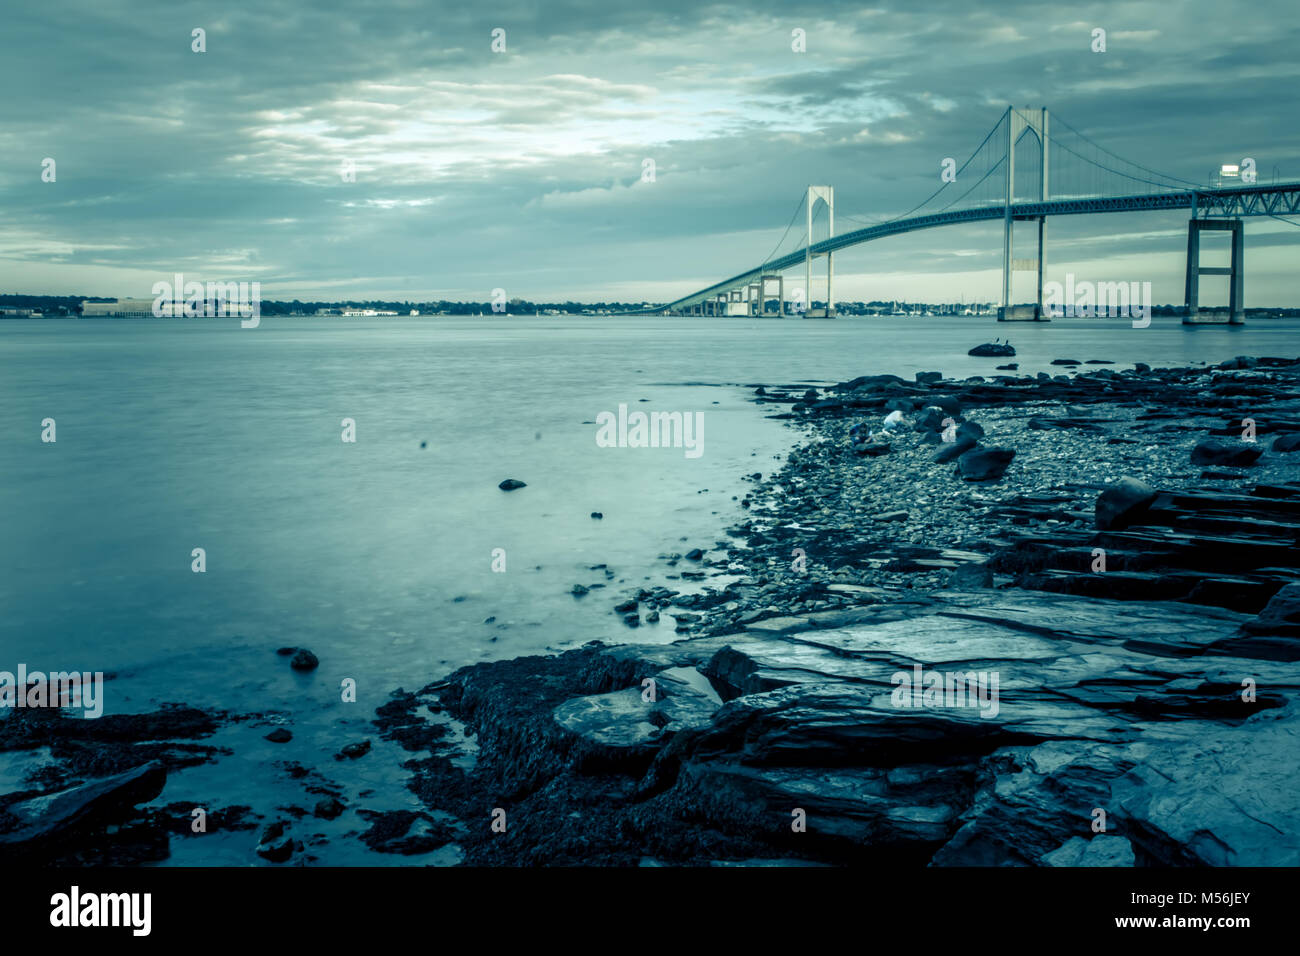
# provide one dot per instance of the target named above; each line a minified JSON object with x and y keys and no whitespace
{"x":1137,"y":619}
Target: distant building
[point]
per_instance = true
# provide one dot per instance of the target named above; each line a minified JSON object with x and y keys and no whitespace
{"x":9,"y":312}
{"x":119,"y":308}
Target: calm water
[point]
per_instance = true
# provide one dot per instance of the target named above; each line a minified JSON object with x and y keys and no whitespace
{"x":378,"y":555}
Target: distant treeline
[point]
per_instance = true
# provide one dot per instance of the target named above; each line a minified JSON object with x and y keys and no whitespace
{"x":70,"y":305}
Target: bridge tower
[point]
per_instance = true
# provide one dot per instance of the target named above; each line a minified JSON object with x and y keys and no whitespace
{"x":827,"y":195}
{"x":1018,"y":121}
{"x":1235,"y":313}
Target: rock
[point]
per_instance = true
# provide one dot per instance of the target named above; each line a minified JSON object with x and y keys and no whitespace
{"x":329,"y":808}
{"x":1212,"y":452}
{"x":279,"y":736}
{"x":1287,"y":443}
{"x":991,"y":350}
{"x":44,"y":820}
{"x":1010,"y":367}
{"x":353,"y":751}
{"x":1141,"y":368}
{"x":597,"y":515}
{"x":969,"y":577}
{"x":950,"y":405}
{"x":274,"y":845}
{"x":1241,"y":361}
{"x":930,"y":419}
{"x":985,"y":464}
{"x":695,"y":554}
{"x":890,"y":516}
{"x":1102,"y":850}
{"x":927,"y":377}
{"x":632,"y":620}
{"x":652,"y":617}
{"x":510,"y":484}
{"x":1280,"y":616}
{"x":1226,"y":797}
{"x":1123,"y":503}
{"x":873,"y":450}
{"x":1065,"y":362}
{"x":626,"y":606}
{"x":955,"y":449}
{"x":304,"y":660}
{"x":578,"y":590}
{"x":405,"y":832}
{"x":285,"y":651}
{"x":971,"y":429}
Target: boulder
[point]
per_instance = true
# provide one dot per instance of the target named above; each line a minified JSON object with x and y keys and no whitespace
{"x":992,"y":350}
{"x":927,"y":377}
{"x":1123,"y":503}
{"x":968,"y":577}
{"x":1212,"y":452}
{"x":956,"y":449}
{"x":510,"y":484}
{"x":1281,"y":615}
{"x":304,"y":660}
{"x":985,"y":464}
{"x":930,"y":419}
{"x":1287,"y":443}
{"x":1241,"y":361}
{"x":873,"y":450}
{"x":949,"y":404}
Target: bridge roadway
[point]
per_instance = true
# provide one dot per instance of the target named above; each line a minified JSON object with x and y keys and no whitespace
{"x":1276,"y":200}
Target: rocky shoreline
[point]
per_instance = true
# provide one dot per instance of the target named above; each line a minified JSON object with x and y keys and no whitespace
{"x":1112,"y":553}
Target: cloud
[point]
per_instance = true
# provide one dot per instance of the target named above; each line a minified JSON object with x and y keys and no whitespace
{"x":523,"y":169}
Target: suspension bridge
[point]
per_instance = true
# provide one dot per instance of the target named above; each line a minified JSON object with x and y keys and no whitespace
{"x":1030,"y":166}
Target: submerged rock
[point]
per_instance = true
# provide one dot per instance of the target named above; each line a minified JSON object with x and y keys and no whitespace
{"x":510,"y":484}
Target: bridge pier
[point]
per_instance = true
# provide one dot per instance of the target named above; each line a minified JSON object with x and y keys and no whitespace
{"x":1235,"y":314}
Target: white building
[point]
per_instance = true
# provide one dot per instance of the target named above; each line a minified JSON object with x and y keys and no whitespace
{"x":119,"y":308}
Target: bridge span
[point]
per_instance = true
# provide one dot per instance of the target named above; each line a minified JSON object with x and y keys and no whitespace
{"x":1080,"y":184}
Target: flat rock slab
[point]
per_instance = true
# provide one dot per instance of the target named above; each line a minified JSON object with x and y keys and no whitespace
{"x":97,"y":803}
{"x":1063,"y":705}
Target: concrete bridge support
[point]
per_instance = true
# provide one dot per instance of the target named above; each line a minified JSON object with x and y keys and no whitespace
{"x":1235,"y":314}
{"x":763,"y":296}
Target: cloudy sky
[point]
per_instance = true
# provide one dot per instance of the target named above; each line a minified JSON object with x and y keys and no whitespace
{"x":523,"y":169}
